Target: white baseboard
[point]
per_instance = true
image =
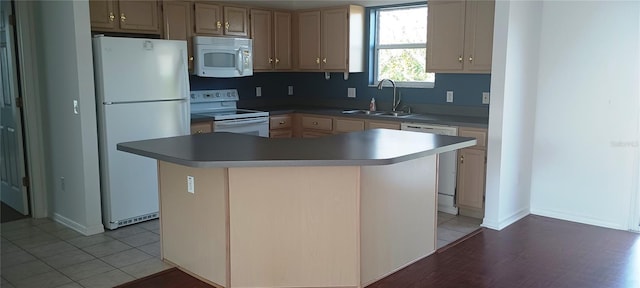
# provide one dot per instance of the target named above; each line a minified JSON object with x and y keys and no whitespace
{"x":87,"y":231}
{"x":578,"y":219}
{"x":504,"y":223}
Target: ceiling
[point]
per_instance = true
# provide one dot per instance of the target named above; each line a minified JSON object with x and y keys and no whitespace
{"x":306,"y":4}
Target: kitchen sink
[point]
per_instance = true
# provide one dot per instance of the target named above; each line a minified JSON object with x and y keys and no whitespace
{"x":361,"y":112}
{"x":398,"y":114}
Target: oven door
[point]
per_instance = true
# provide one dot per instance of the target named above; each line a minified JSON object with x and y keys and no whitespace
{"x":252,"y":126}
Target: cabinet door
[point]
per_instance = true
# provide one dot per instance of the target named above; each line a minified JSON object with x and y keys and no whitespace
{"x":478,"y":36}
{"x":335,"y":34}
{"x":103,"y":15}
{"x":282,"y":40}
{"x":347,"y":125}
{"x":262,"y":39}
{"x":309,"y":38}
{"x":471,"y":177}
{"x":208,"y":19}
{"x":445,"y":36}
{"x":236,"y":21}
{"x":176,"y":17}
{"x":385,"y":125}
{"x":139,"y":16}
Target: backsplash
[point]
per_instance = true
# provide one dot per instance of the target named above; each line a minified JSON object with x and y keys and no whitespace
{"x":314,"y":89}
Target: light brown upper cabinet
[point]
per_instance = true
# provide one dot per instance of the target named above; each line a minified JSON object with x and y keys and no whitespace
{"x":217,"y":20}
{"x":271,"y":34}
{"x":124,"y":16}
{"x":460,"y":36}
{"x":331,"y":39}
{"x":178,"y":25}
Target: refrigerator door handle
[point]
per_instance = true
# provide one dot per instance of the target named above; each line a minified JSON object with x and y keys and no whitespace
{"x":145,"y":101}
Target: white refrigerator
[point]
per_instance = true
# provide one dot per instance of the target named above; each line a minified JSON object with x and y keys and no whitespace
{"x":142,"y":90}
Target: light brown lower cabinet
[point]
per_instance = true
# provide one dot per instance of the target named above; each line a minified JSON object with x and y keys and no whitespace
{"x":201,"y":127}
{"x":382,"y":124}
{"x":472,"y":167}
{"x":341,"y":125}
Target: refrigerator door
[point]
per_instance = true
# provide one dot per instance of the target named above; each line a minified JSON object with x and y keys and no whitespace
{"x":137,"y":70}
{"x":129,"y":182}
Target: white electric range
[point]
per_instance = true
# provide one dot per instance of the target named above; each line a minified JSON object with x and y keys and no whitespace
{"x":221,"y":107}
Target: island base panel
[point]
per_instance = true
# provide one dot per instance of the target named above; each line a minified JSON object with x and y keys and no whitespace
{"x":294,"y":226}
{"x":398,"y":216}
{"x":194,"y":225}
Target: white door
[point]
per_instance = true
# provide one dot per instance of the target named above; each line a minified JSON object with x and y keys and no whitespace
{"x":12,"y":158}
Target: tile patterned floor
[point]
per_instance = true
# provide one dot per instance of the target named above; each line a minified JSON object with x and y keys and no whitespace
{"x":452,"y":227}
{"x":42,"y":253}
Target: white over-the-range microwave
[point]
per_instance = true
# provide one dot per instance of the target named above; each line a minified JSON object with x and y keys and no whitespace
{"x":223,"y":57}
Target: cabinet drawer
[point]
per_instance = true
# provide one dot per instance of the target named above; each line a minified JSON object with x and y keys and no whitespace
{"x":317,"y":123}
{"x":201,"y":127}
{"x":282,"y":133}
{"x":478,"y":133}
{"x":280,"y":121}
{"x":314,"y":134}
{"x":347,"y":125}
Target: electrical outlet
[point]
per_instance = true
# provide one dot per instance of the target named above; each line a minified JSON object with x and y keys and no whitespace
{"x":190,"y":184}
{"x":62,"y":186}
{"x":258,"y":91}
{"x":351,"y":92}
{"x":485,"y":97}
{"x":449,"y":96}
{"x":290,"y":90}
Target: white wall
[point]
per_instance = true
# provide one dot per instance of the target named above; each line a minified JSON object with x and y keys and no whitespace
{"x":512,"y":111}
{"x":586,"y":125}
{"x":67,"y":74}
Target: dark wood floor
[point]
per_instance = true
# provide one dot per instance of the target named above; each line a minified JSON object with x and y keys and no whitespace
{"x":170,"y":278}
{"x":8,"y":214}
{"x":534,"y":252}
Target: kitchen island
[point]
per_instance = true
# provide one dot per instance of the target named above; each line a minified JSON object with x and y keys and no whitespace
{"x":339,"y":211}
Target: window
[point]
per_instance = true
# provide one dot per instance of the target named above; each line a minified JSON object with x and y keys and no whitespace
{"x":400,"y":46}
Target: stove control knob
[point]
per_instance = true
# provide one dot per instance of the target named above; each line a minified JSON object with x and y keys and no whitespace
{"x":217,"y":94}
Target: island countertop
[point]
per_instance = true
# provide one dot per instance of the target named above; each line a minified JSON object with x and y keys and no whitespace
{"x":364,"y":148}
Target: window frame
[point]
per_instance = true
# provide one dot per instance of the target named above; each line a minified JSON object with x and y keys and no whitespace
{"x":375,"y":49}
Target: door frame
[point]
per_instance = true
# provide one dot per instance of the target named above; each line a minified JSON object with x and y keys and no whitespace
{"x":32,"y":106}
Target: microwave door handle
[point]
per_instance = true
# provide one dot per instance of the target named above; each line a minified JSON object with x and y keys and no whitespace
{"x":241,"y":123}
{"x":240,"y":62}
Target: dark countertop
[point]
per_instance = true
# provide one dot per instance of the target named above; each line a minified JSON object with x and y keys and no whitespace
{"x":450,"y":120}
{"x":370,"y":147}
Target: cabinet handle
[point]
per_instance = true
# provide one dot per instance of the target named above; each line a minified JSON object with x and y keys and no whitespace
{"x":111,"y":17}
{"x":270,"y":60}
{"x":461,"y":159}
{"x":277,"y":60}
{"x":315,"y":123}
{"x":191,"y":58}
{"x":470,"y":59}
{"x":199,"y":132}
{"x":282,"y":122}
{"x":324,"y":60}
{"x":218,"y":25}
{"x":317,"y":60}
{"x":460,"y":59}
{"x":122,"y":17}
{"x":226,"y":26}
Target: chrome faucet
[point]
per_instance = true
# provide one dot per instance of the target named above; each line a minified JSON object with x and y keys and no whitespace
{"x":394,"y":105}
